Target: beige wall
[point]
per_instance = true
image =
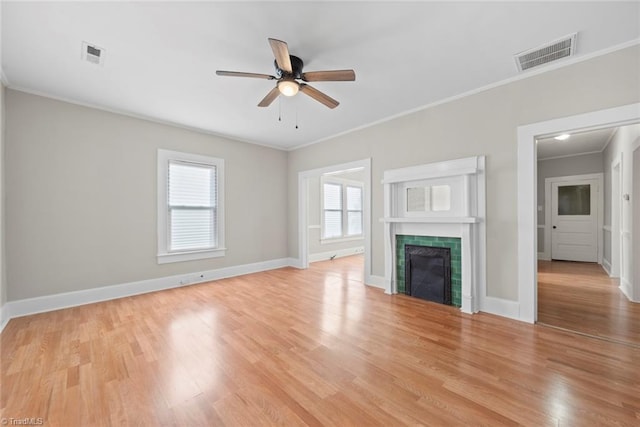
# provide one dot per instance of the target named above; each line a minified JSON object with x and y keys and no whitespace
{"x":81,"y":197}
{"x":481,"y":124}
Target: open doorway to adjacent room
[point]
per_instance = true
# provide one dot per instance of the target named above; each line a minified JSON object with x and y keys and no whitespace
{"x":582,"y":226}
{"x":334,"y":219}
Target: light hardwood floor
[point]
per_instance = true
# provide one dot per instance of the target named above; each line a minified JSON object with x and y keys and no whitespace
{"x":307,"y":347}
{"x":581,"y":297}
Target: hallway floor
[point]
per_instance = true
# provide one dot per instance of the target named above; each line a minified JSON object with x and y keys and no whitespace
{"x":581,"y":297}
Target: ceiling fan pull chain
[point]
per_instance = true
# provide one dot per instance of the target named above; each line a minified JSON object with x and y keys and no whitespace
{"x":279,"y":109}
{"x":296,"y":116}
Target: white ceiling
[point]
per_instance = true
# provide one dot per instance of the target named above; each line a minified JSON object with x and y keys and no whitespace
{"x":578,"y":143}
{"x":161,"y":57}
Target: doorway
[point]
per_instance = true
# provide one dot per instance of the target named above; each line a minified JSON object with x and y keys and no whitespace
{"x":304,"y":178}
{"x":527,"y":191}
{"x":574,"y":291}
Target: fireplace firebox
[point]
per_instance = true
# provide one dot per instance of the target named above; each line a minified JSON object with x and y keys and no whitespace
{"x":428,"y":273}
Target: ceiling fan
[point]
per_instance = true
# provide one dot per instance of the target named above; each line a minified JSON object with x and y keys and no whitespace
{"x":288,"y":71}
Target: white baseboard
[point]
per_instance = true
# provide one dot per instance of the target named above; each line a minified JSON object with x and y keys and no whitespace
{"x":72,"y":299}
{"x":323,"y":256}
{"x":606,"y":264}
{"x":294,"y":262}
{"x":542,"y":256}
{"x":4,"y":316}
{"x":626,"y":289}
{"x":375,"y":281}
{"x":502,"y":307}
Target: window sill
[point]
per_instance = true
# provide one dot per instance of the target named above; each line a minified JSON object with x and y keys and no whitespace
{"x":340,"y":239}
{"x":168,"y":257}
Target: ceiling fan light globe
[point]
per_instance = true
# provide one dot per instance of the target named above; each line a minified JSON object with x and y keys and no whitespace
{"x":288,"y":87}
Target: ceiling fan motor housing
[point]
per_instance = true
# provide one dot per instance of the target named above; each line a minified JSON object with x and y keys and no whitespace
{"x":296,"y":65}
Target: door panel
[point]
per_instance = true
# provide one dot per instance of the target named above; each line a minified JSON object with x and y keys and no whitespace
{"x":574,"y":220}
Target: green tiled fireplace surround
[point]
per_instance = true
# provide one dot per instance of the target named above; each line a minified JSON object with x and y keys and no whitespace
{"x":440,"y":242}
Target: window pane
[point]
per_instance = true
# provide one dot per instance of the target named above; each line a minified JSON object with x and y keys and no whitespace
{"x":191,"y":229}
{"x":440,"y":198}
{"x":418,"y":199}
{"x":354,"y":198}
{"x":332,"y":196}
{"x":574,"y":200}
{"x":355,"y":223}
{"x":332,"y":224}
{"x":191,"y":185}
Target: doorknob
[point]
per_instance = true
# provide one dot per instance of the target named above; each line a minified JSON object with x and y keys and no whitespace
{"x":554,"y":226}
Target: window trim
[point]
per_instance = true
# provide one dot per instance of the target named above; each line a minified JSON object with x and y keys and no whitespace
{"x":345,"y":216}
{"x":164,"y":255}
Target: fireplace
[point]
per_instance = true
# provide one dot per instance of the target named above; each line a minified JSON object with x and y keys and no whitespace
{"x":441,"y":205}
{"x":430,"y":244}
{"x":428,"y":273}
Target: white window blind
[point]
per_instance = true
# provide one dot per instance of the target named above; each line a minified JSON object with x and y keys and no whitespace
{"x":192,"y":206}
{"x":354,"y":211}
{"x":332,"y":197}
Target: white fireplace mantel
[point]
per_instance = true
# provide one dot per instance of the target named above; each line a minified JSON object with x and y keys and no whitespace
{"x":465,"y":219}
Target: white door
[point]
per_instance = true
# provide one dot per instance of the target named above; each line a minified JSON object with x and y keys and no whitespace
{"x":574,"y":220}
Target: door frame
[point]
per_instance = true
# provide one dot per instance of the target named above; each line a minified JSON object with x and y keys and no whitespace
{"x":616,"y":213}
{"x":303,"y":217}
{"x":527,"y":194}
{"x":548,"y":182}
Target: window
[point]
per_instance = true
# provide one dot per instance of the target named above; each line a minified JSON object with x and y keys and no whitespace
{"x":341,"y":209}
{"x":190,"y":207}
{"x":429,"y":198}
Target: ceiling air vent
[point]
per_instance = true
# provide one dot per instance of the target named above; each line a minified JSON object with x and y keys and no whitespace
{"x":92,"y":53}
{"x":546,"y":53}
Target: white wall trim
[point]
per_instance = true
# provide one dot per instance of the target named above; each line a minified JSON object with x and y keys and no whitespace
{"x":294,"y":262}
{"x":46,"y":303}
{"x":586,"y":153}
{"x":323,"y":256}
{"x":606,"y":265}
{"x":616,"y":214}
{"x":4,"y":316}
{"x":627,"y":290}
{"x":375,"y":281}
{"x":518,"y":77}
{"x":501,"y":307}
{"x":527,"y":195}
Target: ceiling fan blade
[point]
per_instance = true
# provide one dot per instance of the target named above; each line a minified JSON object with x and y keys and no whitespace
{"x":318,"y":96}
{"x":241,"y":74}
{"x":329,"y":76}
{"x":271,"y":96}
{"x":281,"y":52}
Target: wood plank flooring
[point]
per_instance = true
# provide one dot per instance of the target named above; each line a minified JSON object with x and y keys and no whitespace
{"x":306,"y":347}
{"x":581,"y":297}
